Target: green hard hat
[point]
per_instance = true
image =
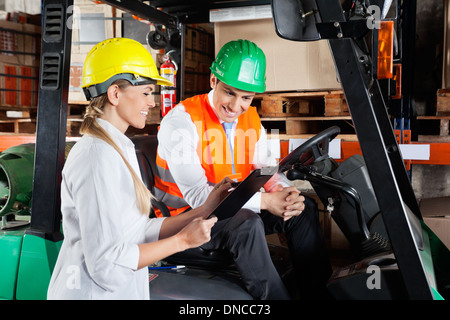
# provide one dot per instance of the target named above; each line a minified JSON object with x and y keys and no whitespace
{"x":242,"y":65}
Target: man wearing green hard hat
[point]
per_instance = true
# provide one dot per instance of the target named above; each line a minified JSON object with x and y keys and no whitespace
{"x":219,"y":134}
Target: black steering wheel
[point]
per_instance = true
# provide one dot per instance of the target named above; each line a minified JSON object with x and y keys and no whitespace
{"x":314,"y":149}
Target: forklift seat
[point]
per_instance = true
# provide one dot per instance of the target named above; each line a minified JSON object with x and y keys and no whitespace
{"x":146,"y":147}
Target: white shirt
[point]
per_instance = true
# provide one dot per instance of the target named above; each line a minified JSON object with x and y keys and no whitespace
{"x":177,"y":144}
{"x":102,"y":224}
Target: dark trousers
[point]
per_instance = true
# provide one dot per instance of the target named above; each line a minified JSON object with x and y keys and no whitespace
{"x":243,"y":236}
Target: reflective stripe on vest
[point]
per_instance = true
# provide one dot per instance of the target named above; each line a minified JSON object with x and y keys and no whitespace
{"x":167,"y":191}
{"x":213,"y":150}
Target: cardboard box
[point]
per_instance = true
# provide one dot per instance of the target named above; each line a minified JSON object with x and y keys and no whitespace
{"x":436,"y":215}
{"x":92,"y":23}
{"x":337,"y":238}
{"x":291,"y":65}
{"x":333,"y":235}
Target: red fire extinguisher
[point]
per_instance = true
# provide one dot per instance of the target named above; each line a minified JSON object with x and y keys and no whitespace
{"x":168,"y":94}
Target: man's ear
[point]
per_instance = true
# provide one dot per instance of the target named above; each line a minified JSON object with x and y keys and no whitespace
{"x":213,"y":81}
{"x":113,"y":94}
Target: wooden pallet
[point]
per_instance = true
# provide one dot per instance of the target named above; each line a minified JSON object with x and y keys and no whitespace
{"x":310,"y":103}
{"x":442,"y":117}
{"x":336,"y":105}
{"x":444,"y":131}
{"x":306,"y":125}
{"x":18,"y":126}
{"x":443,"y":102}
{"x":17,"y":119}
{"x":294,"y":114}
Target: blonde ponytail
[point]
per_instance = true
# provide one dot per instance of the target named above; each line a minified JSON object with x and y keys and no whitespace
{"x":91,"y":127}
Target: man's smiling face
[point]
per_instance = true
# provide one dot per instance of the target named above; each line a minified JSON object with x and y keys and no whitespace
{"x":229,"y":102}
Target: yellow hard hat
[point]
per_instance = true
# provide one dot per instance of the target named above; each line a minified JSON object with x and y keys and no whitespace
{"x":118,"y":58}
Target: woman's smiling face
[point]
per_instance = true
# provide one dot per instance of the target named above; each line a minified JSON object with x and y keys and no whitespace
{"x":228,"y":101}
{"x":135,"y":102}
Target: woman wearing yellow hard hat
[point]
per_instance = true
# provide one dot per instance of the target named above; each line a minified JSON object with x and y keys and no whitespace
{"x":109,"y":240}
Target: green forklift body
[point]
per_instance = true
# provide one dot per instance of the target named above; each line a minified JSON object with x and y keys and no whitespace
{"x":16,"y":179}
{"x":10,"y":248}
{"x":26,"y":262}
{"x":37,"y":260}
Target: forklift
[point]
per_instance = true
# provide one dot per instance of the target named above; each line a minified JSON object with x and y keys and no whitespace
{"x":408,"y":259}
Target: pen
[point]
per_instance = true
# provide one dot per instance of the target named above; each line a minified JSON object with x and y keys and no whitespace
{"x":167,"y":267}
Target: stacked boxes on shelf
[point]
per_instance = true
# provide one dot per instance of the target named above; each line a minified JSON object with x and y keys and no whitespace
{"x":19,"y":76}
{"x":199,"y":54}
{"x":19,"y":63}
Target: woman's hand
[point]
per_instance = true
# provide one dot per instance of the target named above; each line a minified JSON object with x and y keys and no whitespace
{"x":174,"y":224}
{"x":285,"y":202}
{"x":193,"y":234}
{"x":196,"y":233}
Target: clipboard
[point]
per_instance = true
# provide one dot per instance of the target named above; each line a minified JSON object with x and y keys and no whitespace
{"x":234,"y":201}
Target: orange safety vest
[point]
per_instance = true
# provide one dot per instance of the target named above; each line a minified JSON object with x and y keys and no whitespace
{"x":213,"y":150}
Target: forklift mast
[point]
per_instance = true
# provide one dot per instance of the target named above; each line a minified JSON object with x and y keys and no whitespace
{"x":311,"y":20}
{"x":381,"y":153}
{"x":52,"y":118}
